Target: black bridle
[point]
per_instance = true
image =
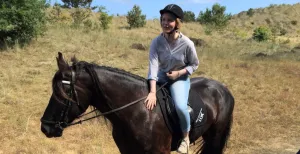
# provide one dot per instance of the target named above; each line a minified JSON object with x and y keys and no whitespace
{"x":63,"y":122}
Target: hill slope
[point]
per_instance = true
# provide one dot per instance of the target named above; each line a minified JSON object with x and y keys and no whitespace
{"x":280,"y":17}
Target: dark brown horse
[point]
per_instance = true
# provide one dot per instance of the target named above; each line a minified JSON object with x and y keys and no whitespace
{"x":120,"y":96}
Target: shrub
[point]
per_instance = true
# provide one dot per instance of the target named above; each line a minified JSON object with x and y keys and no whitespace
{"x":79,"y":16}
{"x":88,"y":24}
{"x":268,"y":21}
{"x":215,"y":17}
{"x":104,"y":19}
{"x":188,"y":16}
{"x":262,"y":33}
{"x":21,"y":21}
{"x":250,"y":12}
{"x":135,"y":19}
{"x":55,"y":14}
{"x":294,"y":22}
{"x":283,"y":31}
{"x":208,"y":30}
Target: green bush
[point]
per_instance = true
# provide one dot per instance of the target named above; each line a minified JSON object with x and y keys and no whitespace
{"x":215,"y":17}
{"x":79,"y":16}
{"x":294,"y":22}
{"x":104,"y":19}
{"x":135,"y":19}
{"x":250,"y":12}
{"x":262,"y":33}
{"x":88,"y":24}
{"x":189,"y":16}
{"x":208,"y":30}
{"x":21,"y":21}
{"x":55,"y":14}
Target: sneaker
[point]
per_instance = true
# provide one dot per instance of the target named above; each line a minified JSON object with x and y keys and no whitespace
{"x":184,"y":146}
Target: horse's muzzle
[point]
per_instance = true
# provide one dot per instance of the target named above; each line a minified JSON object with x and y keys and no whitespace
{"x":51,"y":131}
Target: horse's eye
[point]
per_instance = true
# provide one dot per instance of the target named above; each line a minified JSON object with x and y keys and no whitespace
{"x":66,"y":75}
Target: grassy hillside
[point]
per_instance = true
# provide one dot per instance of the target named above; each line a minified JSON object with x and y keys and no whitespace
{"x":266,"y":89}
{"x":282,"y":17}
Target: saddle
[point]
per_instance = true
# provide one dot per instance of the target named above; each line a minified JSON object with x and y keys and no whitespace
{"x":196,"y":109}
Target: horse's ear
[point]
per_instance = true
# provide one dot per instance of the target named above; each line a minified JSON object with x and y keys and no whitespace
{"x":74,"y":60}
{"x":61,"y":63}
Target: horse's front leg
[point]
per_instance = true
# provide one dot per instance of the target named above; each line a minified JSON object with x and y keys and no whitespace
{"x":126,"y":143}
{"x":119,"y":139}
{"x":160,"y":146}
{"x":161,"y":138}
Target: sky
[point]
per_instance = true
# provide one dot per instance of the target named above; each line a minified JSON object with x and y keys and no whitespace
{"x":151,"y":7}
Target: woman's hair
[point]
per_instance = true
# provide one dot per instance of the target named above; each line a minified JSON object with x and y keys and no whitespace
{"x":178,"y":23}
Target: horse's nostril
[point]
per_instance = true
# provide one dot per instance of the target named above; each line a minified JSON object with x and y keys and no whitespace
{"x":45,"y":129}
{"x":59,"y":134}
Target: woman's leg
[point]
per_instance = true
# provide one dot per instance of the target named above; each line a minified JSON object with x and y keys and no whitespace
{"x":180,"y":93}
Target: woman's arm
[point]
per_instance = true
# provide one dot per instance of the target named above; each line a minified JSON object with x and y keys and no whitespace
{"x":153,"y":86}
{"x":153,"y":61}
{"x":192,"y":57}
{"x":150,"y":101}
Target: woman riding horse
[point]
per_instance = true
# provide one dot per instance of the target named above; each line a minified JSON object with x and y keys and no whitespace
{"x":173,"y":57}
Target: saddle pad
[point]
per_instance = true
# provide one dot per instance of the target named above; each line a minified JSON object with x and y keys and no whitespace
{"x":197,"y":114}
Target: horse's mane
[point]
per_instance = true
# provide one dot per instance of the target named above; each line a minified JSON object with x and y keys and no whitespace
{"x":82,"y":64}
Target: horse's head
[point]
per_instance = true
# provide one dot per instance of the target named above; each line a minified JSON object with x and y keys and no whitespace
{"x":70,"y":98}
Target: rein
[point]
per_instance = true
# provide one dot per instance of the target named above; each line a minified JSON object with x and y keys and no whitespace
{"x":111,"y":111}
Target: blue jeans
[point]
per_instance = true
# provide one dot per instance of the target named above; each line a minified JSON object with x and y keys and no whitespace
{"x":180,"y":89}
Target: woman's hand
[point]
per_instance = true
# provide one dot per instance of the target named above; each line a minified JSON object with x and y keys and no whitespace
{"x":173,"y":75}
{"x":151,"y":100}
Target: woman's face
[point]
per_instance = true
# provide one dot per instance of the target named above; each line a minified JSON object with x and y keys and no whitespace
{"x":168,"y":22}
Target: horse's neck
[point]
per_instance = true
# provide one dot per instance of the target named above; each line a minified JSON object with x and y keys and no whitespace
{"x":120,"y":88}
{"x":117,"y":90}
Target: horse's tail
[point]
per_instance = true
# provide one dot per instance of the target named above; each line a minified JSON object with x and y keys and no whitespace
{"x":207,"y":148}
{"x":226,"y":134}
{"x":215,"y":143}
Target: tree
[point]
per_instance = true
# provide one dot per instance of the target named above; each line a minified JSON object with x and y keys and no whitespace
{"x":189,"y":16}
{"x":135,"y":19}
{"x":21,"y":21}
{"x":215,"y":16}
{"x":77,"y":3}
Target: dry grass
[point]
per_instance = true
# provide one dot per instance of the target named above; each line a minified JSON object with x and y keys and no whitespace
{"x":274,"y":16}
{"x":266,"y":115}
